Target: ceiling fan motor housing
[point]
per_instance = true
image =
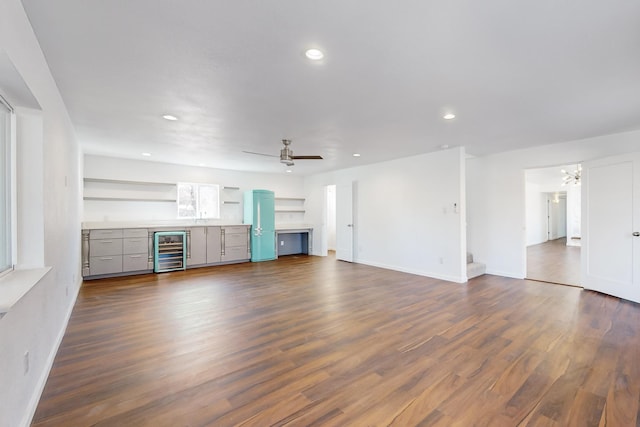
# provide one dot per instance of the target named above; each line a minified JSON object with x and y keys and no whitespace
{"x":285,"y":154}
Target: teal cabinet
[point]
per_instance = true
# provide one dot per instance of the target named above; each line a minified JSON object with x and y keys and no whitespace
{"x":259,"y":212}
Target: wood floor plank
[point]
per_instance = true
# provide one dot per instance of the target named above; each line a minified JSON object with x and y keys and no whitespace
{"x":306,"y":341}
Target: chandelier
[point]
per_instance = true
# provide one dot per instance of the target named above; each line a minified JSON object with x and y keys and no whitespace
{"x":572,"y":177}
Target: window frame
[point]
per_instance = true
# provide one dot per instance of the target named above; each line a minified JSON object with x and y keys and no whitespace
{"x":8,"y":172}
{"x":196,"y":191}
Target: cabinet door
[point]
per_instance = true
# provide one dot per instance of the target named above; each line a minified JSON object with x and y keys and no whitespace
{"x":235,"y":239}
{"x":134,"y":262}
{"x":103,"y":247}
{"x":214,"y":244}
{"x":105,"y":265}
{"x":197,"y":245}
{"x":135,"y":245}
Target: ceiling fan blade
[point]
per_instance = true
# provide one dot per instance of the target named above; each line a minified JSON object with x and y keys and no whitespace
{"x":259,"y":154}
{"x":306,"y":157}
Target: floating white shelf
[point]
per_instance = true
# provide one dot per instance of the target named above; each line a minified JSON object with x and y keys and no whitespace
{"x":128,"y":199}
{"x":291,"y":210}
{"x":128,"y":182}
{"x":297,"y":199}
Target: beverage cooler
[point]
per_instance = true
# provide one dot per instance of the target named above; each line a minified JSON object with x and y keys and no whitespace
{"x":259,"y":212}
{"x":170,"y":252}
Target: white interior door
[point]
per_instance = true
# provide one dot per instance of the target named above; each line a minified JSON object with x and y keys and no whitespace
{"x":611,"y":226}
{"x":344,"y":222}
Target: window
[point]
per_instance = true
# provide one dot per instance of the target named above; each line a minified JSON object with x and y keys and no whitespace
{"x":6,"y":182}
{"x":198,"y":200}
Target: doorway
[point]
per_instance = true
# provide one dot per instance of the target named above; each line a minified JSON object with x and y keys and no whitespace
{"x":331,"y":219}
{"x":338,"y":234}
{"x":553,"y":225}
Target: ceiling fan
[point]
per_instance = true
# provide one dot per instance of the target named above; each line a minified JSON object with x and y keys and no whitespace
{"x":286,"y":154}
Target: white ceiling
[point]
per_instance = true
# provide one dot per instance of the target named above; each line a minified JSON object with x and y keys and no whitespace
{"x":516,"y":73}
{"x":549,"y":179}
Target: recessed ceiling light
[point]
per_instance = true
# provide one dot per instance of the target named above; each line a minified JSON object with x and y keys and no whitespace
{"x":146,"y":154}
{"x":356,"y":154}
{"x":449,"y":116}
{"x":200,"y":164}
{"x":314,"y":54}
{"x":169,"y":117}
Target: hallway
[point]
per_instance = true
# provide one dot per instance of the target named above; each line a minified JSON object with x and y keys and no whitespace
{"x":554,"y":262}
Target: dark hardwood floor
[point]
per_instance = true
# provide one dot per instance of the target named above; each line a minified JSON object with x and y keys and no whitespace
{"x":554,"y":262}
{"x":306,"y":341}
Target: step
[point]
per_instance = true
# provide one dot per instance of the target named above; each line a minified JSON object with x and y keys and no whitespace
{"x":475,"y":269}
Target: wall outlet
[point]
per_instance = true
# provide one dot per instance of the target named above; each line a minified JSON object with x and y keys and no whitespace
{"x":66,"y":291}
{"x":26,"y":362}
{"x":441,"y":260}
{"x":281,"y":242}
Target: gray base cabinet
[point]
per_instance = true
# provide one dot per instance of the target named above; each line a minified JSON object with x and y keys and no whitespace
{"x":135,"y":249}
{"x":119,"y":252}
{"x":113,"y":252}
{"x":214,"y":246}
{"x":235,"y":243}
{"x":196,"y":246}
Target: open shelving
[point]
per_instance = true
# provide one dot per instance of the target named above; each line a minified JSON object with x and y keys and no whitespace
{"x":120,"y":190}
{"x":229,"y":195}
{"x":290,"y":205}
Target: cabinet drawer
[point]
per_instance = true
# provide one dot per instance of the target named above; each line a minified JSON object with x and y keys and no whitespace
{"x":104,"y":247}
{"x":105,"y":234}
{"x":235,"y":239}
{"x":135,"y":232}
{"x":235,"y":253}
{"x":134,"y":245}
{"x":105,"y":265}
{"x":135,"y":262}
{"x":239,"y":229}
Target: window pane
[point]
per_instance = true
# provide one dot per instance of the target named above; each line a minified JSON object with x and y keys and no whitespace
{"x":208,"y":201}
{"x":5,"y":188}
{"x":198,"y":200}
{"x":186,"y":200}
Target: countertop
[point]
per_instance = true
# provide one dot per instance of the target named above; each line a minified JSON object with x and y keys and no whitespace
{"x":179,"y":224}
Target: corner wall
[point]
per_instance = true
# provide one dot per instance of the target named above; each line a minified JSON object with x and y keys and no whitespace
{"x":48,"y":163}
{"x":496,"y":196}
{"x":404,"y":214}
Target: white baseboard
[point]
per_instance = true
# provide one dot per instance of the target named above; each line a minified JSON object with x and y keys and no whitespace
{"x":413,"y":271}
{"x":42,"y":381}
{"x":509,"y":274}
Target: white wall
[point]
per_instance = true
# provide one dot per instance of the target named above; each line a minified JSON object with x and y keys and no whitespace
{"x":331,"y":217}
{"x":404,"y":215}
{"x":496,"y":196}
{"x":48,"y":223}
{"x":536,"y":214}
{"x":557,"y":216}
{"x":284,"y":185}
{"x":574,"y":215}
